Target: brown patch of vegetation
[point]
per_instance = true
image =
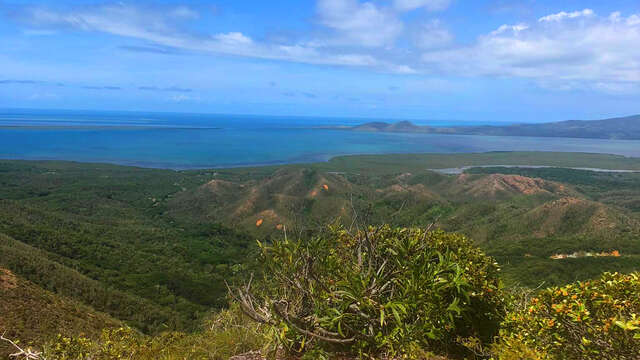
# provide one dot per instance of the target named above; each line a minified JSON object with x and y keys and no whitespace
{"x":219,"y":185}
{"x":601,"y":219}
{"x":252,"y":355}
{"x":563,"y":203}
{"x":495,"y":184}
{"x":248,"y":205}
{"x":7,"y":280}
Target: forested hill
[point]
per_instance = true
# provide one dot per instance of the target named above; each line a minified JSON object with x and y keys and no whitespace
{"x":624,"y":128}
{"x":93,"y":246}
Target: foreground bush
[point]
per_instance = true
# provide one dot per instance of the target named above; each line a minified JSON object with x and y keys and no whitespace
{"x":597,"y":319}
{"x":378,"y":292}
{"x":225,"y":334}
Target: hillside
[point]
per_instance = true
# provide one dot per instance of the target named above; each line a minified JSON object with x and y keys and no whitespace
{"x":514,"y":215}
{"x":33,"y":314}
{"x":152,"y":248}
{"x":622,"y":128}
{"x":148,"y":232}
{"x":95,"y":233}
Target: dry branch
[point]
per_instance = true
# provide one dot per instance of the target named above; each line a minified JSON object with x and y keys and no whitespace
{"x":21,"y":353}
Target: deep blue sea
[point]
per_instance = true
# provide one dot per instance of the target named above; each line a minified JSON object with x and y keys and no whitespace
{"x":185,"y":141}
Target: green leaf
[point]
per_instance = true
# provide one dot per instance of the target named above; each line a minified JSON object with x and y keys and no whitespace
{"x":453,"y":307}
{"x":396,"y":315}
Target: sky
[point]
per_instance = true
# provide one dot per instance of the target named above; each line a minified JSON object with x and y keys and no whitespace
{"x":471,"y":60}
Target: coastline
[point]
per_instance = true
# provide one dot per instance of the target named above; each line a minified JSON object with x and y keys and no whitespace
{"x":522,"y":159}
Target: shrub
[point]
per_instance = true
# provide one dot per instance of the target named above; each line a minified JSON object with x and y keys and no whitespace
{"x":591,"y":319}
{"x":226,"y":333}
{"x":392,"y":291}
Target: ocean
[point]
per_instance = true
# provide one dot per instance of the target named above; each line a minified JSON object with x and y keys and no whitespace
{"x":190,"y":141}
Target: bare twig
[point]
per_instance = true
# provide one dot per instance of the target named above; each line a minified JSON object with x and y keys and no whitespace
{"x":285,"y":317}
{"x":27,"y":354}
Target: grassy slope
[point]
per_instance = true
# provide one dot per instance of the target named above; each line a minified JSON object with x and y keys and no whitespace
{"x":36,"y":266}
{"x":106,"y":222}
{"x":32,"y":314}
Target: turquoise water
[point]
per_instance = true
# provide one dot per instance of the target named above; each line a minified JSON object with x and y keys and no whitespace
{"x":179,"y":141}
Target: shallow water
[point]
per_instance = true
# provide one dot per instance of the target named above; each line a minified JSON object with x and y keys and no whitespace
{"x":460,"y":170}
{"x":199,"y":141}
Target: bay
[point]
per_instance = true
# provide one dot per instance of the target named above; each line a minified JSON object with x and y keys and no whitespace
{"x":179,"y":141}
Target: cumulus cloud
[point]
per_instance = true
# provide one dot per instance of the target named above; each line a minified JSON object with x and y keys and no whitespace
{"x":369,"y":24}
{"x":594,"y":52}
{"x":360,"y":24}
{"x":633,"y":20}
{"x":565,"y":15}
{"x":568,"y":48}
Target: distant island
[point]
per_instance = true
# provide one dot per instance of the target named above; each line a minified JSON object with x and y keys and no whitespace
{"x":622,"y":128}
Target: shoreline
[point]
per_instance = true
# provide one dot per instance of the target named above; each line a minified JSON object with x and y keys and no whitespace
{"x":328,"y":159}
{"x":462,"y":169}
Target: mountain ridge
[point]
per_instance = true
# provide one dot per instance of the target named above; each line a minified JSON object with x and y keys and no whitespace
{"x":618,"y":128}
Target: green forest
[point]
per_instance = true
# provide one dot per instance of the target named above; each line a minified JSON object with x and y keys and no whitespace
{"x":99,"y":261}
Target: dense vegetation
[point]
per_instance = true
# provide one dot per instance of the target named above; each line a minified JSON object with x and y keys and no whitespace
{"x":95,"y":233}
{"x":152,"y":248}
{"x":376,"y":300}
{"x":591,"y":319}
{"x":34,"y":315}
{"x":377,"y":291}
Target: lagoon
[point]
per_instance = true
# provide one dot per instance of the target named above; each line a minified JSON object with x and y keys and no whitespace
{"x":189,"y":142}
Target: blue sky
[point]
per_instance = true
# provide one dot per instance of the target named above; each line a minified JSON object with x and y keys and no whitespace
{"x":493,"y":60}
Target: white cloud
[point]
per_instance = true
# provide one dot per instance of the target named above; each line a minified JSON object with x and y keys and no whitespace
{"x":431,"y":5}
{"x":184,"y":98}
{"x":184,"y":12}
{"x":432,"y":35}
{"x":233,"y":38}
{"x":359,"y":24}
{"x":565,"y":15}
{"x":159,"y":26}
{"x":594,"y":53}
{"x":615,"y":16}
{"x":356,"y":25}
{"x":513,"y":28}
